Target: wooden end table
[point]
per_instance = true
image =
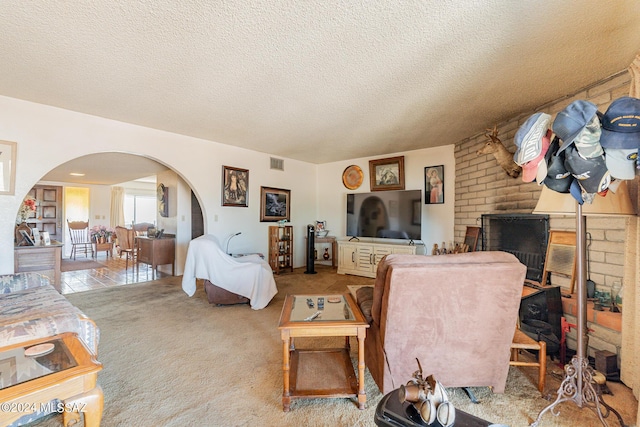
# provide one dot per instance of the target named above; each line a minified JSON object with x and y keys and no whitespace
{"x":106,"y":246}
{"x":321,"y":372}
{"x":68,"y":372}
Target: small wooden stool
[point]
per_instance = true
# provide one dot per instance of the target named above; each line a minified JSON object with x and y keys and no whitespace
{"x":522,"y":341}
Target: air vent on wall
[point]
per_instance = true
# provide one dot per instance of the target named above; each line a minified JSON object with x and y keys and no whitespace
{"x":277,"y":164}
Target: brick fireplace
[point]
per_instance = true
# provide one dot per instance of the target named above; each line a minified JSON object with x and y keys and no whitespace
{"x":483,"y":188}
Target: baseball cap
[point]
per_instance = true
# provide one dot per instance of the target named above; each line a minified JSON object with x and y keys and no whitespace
{"x":592,"y":174}
{"x":588,"y":140}
{"x":528,"y":139}
{"x":621,"y":124}
{"x":530,"y":169}
{"x":621,"y":162}
{"x":576,"y":191}
{"x":572,"y":120}
{"x":558,"y":177}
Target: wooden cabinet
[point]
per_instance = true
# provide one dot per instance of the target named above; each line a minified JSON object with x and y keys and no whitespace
{"x":362,"y":258}
{"x":41,"y":259}
{"x":156,"y":252}
{"x":281,"y":248}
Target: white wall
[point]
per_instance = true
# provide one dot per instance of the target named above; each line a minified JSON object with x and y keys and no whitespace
{"x":437,"y":220}
{"x":48,"y":137}
{"x":54,"y":136}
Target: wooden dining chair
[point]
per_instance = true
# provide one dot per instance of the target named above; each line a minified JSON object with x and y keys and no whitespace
{"x":126,"y":244}
{"x":522,"y":341}
{"x":80,"y":240}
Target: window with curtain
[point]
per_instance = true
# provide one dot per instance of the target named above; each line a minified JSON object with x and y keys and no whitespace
{"x":139,"y":208}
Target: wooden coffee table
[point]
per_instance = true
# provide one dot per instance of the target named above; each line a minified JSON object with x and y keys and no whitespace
{"x":68,"y":372}
{"x":317,"y":373}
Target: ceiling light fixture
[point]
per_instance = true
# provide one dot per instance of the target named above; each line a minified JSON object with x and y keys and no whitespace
{"x":76,"y":174}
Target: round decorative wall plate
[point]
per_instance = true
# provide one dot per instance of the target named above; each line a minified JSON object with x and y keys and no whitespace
{"x":352,"y":177}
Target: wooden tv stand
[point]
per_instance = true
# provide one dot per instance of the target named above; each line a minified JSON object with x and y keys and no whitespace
{"x":362,"y":258}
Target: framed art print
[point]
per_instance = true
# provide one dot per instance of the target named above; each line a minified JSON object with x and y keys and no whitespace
{"x":434,"y":184}
{"x":163,"y":200}
{"x":8,"y":167}
{"x":235,"y":187}
{"x":387,"y":174}
{"x":275,"y":204}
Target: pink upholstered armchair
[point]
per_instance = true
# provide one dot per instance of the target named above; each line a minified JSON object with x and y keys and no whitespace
{"x":455,"y":313}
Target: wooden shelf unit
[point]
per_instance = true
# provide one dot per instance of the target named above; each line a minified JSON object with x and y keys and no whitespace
{"x":281,"y":248}
{"x":322,"y":242}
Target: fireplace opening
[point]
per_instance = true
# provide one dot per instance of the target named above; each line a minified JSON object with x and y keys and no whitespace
{"x":523,"y":235}
{"x":526,"y":236}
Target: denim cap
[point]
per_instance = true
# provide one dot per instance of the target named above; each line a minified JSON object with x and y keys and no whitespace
{"x":528,"y":138}
{"x":588,"y":140}
{"x":592,"y":174}
{"x":576,"y":191}
{"x":621,"y":124}
{"x":558,"y":177}
{"x":572,"y":120}
{"x":621,"y":162}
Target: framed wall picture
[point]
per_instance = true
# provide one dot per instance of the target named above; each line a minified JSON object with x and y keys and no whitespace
{"x":235,"y":187}
{"x":163,"y":200}
{"x":8,"y":167}
{"x":26,"y":239}
{"x":36,"y":236}
{"x":275,"y":204}
{"x":434,"y":184}
{"x":387,"y":174}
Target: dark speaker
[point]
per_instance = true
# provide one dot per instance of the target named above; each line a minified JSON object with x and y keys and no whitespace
{"x":311,"y":232}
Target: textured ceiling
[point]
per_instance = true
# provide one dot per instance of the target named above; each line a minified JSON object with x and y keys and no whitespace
{"x":105,"y":169}
{"x":318,"y":81}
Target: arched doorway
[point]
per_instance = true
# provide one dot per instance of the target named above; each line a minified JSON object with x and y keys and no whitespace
{"x":100,"y":172}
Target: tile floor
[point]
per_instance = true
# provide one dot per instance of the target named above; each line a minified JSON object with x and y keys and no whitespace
{"x":112,"y":274}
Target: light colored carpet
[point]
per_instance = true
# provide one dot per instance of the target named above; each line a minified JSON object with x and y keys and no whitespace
{"x":171,"y":360}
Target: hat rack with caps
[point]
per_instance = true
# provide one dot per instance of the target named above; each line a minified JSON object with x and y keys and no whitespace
{"x":591,"y":156}
{"x":582,"y":145}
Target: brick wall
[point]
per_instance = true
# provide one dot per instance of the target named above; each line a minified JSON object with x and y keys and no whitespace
{"x":482,"y":187}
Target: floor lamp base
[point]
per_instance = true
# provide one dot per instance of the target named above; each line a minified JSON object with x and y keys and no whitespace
{"x":577,"y":387}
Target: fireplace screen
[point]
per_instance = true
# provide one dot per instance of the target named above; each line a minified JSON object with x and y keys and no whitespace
{"x":523,"y":235}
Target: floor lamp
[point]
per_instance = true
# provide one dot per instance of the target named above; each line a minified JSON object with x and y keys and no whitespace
{"x":577,"y":385}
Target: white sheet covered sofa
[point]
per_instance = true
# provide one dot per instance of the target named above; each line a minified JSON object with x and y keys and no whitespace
{"x":249,"y":276}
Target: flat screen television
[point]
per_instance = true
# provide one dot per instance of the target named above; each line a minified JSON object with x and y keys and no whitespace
{"x":385,"y":214}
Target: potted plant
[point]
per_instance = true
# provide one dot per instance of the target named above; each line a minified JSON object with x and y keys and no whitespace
{"x":101,"y":233}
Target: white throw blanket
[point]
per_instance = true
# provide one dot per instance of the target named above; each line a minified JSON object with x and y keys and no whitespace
{"x":249,"y":276}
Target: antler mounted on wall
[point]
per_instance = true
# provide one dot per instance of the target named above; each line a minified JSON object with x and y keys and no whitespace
{"x":494,"y":146}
